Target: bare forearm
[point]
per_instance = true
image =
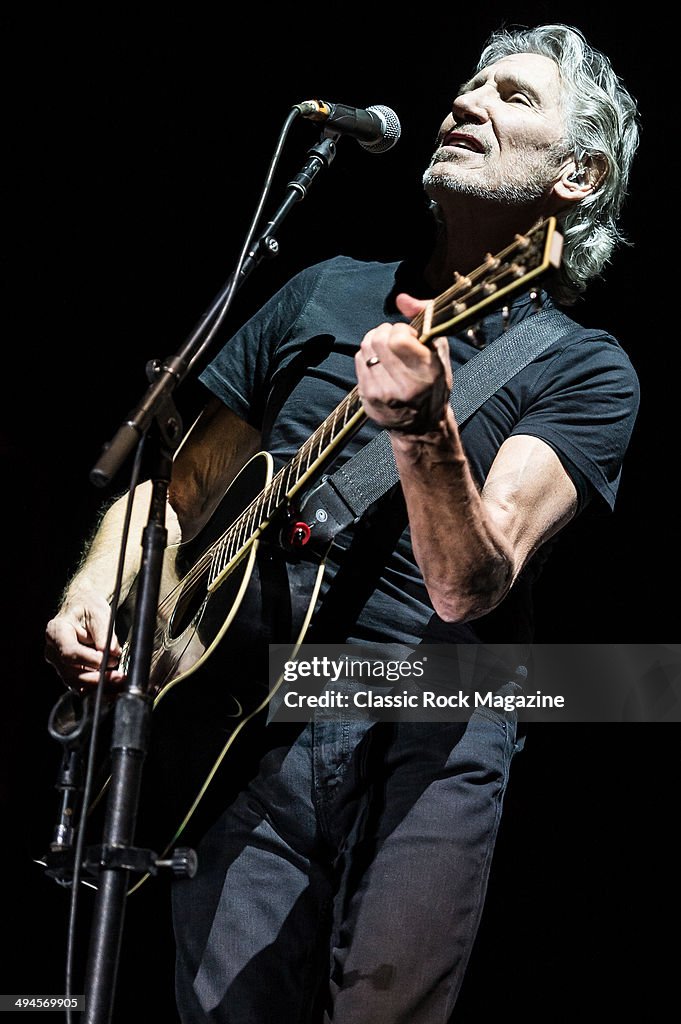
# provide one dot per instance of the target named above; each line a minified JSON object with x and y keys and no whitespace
{"x":466,"y":561}
{"x":217,"y":446}
{"x":77,"y":636}
{"x":97,"y":572}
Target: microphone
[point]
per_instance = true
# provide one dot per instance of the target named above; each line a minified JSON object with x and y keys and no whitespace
{"x":377,"y":128}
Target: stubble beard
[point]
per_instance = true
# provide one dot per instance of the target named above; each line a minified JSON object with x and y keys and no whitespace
{"x":520,"y":185}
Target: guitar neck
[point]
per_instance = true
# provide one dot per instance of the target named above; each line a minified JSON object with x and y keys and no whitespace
{"x":310,"y":459}
{"x":470,"y":297}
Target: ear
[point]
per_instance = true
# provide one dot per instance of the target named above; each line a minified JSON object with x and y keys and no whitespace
{"x":577,"y":182}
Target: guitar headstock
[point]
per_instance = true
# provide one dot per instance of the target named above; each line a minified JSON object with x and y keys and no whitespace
{"x":528,"y":257}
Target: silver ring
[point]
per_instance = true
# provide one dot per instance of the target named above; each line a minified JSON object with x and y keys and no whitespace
{"x":373,"y":361}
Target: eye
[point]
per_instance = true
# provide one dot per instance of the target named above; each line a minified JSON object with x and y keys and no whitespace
{"x":519,"y":97}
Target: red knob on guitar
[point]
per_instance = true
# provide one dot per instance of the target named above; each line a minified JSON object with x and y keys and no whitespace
{"x":298,"y":534}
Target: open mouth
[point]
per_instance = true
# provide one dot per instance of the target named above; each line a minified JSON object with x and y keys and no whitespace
{"x":462,"y":141}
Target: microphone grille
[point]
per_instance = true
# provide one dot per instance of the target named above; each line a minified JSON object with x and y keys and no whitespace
{"x":392,"y":129}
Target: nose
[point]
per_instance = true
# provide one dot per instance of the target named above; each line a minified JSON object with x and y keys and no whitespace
{"x":470,"y":107}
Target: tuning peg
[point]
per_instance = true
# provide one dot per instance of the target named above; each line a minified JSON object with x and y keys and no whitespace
{"x":459,"y":279}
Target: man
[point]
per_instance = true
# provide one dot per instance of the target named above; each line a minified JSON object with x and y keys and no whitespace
{"x":347,"y":877}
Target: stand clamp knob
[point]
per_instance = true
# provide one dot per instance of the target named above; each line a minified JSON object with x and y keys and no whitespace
{"x":183,"y":862}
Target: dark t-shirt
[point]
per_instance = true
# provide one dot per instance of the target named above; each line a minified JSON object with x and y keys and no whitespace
{"x":287,"y":369}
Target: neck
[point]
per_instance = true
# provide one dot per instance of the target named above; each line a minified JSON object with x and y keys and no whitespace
{"x":470,"y":229}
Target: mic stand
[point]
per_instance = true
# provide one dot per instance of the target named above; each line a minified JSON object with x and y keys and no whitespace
{"x":116,"y":857}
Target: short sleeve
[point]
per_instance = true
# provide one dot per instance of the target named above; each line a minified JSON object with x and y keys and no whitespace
{"x":240,"y":372}
{"x":584,"y":406}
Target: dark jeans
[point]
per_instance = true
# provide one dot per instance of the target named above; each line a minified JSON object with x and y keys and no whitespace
{"x":347,"y":880}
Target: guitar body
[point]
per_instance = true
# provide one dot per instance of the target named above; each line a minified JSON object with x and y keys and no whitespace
{"x":262,"y":595}
{"x":210,"y":674}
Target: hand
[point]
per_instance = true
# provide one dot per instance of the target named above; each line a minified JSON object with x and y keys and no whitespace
{"x":406,"y":385}
{"x":75,"y":640}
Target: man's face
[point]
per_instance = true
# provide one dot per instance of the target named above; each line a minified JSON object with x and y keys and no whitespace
{"x":502,"y":139}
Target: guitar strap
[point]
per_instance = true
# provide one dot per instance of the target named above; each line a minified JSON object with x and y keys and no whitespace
{"x":341,"y":498}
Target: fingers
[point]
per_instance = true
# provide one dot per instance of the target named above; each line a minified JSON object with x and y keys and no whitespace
{"x":404,"y":385}
{"x":408,"y":305}
{"x":70,"y":640}
{"x":84,"y":682}
{"x":81,"y":680}
{"x":96,"y":625}
{"x":403,"y":361}
{"x":441,"y":349}
{"x":400,"y":339}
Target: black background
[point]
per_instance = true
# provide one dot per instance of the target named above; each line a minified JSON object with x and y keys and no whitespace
{"x":137,"y":146}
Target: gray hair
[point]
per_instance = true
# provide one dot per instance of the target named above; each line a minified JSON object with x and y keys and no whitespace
{"x":602,"y":129}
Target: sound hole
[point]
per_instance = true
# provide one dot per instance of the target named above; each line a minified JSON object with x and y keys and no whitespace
{"x":189,"y":604}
